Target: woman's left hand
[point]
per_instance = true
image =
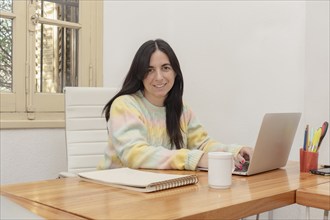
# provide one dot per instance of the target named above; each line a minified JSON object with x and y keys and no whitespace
{"x":243,"y":155}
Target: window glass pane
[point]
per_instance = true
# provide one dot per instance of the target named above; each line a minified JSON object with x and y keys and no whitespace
{"x":56,"y":58}
{"x":56,"y":47}
{"x":65,"y":10}
{"x":6,"y":5}
{"x":6,"y":57}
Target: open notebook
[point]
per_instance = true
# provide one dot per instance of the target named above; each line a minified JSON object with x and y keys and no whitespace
{"x":143,"y":181}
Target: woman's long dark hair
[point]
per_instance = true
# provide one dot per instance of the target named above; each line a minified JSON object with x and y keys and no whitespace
{"x":134,"y":82}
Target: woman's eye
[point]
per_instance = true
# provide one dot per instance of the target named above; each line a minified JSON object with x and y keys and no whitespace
{"x":167,"y":68}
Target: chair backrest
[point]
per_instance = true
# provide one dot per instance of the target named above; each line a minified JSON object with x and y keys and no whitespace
{"x":86,"y":127}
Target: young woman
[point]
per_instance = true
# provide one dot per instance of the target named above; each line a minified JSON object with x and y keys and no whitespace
{"x":150,"y":126}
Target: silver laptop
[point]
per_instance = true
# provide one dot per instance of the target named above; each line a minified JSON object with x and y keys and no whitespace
{"x":274,"y":143}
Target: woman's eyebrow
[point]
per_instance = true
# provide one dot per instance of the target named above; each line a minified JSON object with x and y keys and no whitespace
{"x":165,"y":64}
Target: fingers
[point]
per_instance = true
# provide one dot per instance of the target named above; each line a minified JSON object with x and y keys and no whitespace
{"x":244,"y":155}
{"x":239,"y":161}
{"x":238,"y":165}
{"x":246,"y":152}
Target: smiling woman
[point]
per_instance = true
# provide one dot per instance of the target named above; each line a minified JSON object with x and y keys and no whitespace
{"x":150,"y":126}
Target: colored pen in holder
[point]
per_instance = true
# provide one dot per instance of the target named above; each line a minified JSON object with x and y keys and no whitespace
{"x":308,"y":160}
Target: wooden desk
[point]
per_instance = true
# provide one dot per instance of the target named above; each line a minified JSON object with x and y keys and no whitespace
{"x":315,"y":196}
{"x":247,"y":196}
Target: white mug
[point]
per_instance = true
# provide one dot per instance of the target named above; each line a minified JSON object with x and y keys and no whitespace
{"x":220,"y":169}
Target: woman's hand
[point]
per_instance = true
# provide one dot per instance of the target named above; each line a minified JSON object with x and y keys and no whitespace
{"x":243,"y":155}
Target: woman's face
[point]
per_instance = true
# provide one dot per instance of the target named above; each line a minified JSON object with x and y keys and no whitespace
{"x":159,"y":79}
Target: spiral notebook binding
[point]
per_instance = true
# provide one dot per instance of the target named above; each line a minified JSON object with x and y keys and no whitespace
{"x":168,"y":184}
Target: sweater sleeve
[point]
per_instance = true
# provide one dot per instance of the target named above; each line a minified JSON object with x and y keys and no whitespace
{"x":129,"y":132}
{"x":198,"y":138}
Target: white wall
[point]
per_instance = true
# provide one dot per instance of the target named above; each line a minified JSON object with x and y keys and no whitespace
{"x":32,"y":154}
{"x":240,"y":59}
{"x":316,"y":92}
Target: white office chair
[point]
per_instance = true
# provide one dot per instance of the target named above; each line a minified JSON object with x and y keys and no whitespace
{"x":86,"y":128}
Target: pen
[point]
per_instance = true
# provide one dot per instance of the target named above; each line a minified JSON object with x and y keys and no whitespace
{"x":316,"y":139}
{"x":306,"y":138}
{"x":310,"y":143}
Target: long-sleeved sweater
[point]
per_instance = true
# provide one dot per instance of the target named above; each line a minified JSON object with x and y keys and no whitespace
{"x":138,"y":137}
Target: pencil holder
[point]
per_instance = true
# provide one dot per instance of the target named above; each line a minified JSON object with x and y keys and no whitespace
{"x":308,"y":160}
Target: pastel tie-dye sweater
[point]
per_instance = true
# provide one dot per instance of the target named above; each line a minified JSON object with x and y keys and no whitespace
{"x":138,"y":137}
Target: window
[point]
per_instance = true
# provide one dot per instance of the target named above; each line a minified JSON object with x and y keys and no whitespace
{"x":46,"y":45}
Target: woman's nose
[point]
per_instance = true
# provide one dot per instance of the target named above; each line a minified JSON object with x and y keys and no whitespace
{"x":159,"y":74}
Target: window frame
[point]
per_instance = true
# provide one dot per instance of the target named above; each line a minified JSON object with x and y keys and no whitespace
{"x":24,"y":108}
